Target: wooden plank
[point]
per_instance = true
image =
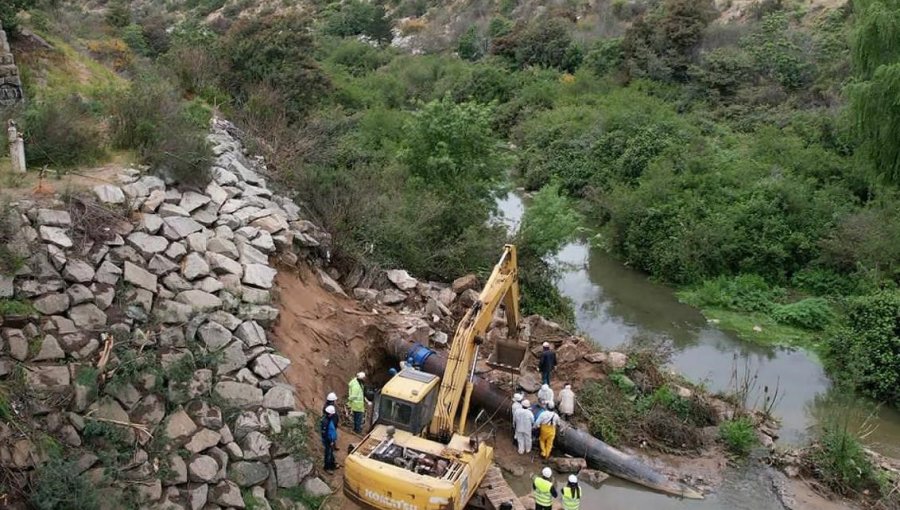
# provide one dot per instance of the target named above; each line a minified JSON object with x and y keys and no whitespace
{"x":495,"y":489}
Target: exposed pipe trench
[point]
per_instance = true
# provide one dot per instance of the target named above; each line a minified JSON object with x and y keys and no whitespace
{"x":575,"y":442}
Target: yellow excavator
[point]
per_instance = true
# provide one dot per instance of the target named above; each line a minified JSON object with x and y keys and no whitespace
{"x":418,"y":456}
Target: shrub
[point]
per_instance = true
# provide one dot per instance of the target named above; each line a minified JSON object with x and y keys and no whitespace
{"x":275,"y":51}
{"x":358,"y":57}
{"x":8,"y":13}
{"x":168,"y":134}
{"x":133,"y":35}
{"x":810,"y":313}
{"x":841,"y":461}
{"x":61,"y":133}
{"x":118,"y":13}
{"x":471,"y":45}
{"x":59,"y":486}
{"x":866,"y":352}
{"x":661,"y":44}
{"x":604,"y":56}
{"x":743,"y":293}
{"x":738,"y":435}
{"x":358,"y":17}
{"x":542,"y":42}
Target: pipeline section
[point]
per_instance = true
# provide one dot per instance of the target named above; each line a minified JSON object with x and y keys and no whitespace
{"x":573,"y":441}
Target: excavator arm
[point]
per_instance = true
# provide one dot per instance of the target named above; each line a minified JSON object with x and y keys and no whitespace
{"x":456,"y":384}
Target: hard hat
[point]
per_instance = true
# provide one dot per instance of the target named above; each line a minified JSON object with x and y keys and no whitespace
{"x":546,"y":344}
{"x":568,"y":385}
{"x":361,"y":375}
{"x":392,"y":371}
{"x":331,"y":397}
{"x":546,"y":472}
{"x":518,"y":397}
{"x":329,"y":410}
{"x":526,"y":403}
{"x":573,"y":479}
{"x":545,"y":387}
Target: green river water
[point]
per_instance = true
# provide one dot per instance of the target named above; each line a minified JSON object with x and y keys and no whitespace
{"x":615,"y":306}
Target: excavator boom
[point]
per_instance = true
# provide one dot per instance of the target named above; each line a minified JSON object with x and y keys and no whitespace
{"x":456,"y":383}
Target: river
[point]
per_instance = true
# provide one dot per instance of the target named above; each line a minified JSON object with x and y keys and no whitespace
{"x":616,"y":306}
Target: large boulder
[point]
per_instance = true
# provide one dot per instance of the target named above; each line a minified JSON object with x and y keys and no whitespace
{"x":88,"y":316}
{"x":464,"y":283}
{"x":269,"y":365}
{"x":52,"y":304}
{"x":247,"y":474}
{"x":78,"y":271}
{"x":259,"y":275}
{"x":139,"y":277}
{"x":238,"y":394}
{"x":402,"y":279}
{"x":290,"y":472}
{"x":202,"y":468}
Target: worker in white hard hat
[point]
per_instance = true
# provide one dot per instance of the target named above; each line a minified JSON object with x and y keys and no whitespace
{"x":329,"y":437}
{"x":356,"y":397}
{"x":543,"y":490}
{"x":545,"y":395}
{"x":331,"y":400}
{"x":547,"y":363}
{"x":571,"y":494}
{"x":523,"y":421}
{"x":567,"y":402}
{"x":516,"y":405}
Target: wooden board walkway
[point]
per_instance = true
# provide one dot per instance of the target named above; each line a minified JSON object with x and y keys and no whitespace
{"x":495,"y":491}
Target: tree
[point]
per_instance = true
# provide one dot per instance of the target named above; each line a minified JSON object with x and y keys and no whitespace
{"x":662,"y":43}
{"x":873,"y":100}
{"x":549,"y":222}
{"x":454,"y":146}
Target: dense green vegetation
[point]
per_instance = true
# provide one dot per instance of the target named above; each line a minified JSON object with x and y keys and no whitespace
{"x":753,"y":164}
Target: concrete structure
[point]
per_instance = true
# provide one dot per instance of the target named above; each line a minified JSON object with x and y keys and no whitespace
{"x":10,"y":83}
{"x":16,"y":148}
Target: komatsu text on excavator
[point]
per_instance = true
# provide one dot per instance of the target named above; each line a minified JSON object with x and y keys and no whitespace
{"x":418,"y":456}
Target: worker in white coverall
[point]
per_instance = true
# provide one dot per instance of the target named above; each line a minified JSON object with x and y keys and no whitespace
{"x":516,"y":405}
{"x":566,"y":404}
{"x":524,"y":421}
{"x":545,"y":395}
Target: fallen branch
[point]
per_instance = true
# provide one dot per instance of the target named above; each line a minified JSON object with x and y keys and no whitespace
{"x":105,"y":353}
{"x":136,"y":426}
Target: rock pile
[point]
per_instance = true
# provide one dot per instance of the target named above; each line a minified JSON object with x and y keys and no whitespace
{"x":151,"y":304}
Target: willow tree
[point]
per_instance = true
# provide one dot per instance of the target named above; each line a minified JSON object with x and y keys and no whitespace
{"x":875,"y":97}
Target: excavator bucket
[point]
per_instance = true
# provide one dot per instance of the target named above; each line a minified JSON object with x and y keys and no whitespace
{"x":508,"y":356}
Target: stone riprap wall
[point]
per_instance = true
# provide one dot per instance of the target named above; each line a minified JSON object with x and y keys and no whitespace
{"x":10,"y":83}
{"x":181,"y":288}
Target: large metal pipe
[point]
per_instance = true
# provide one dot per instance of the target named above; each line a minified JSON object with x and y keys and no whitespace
{"x":573,"y":441}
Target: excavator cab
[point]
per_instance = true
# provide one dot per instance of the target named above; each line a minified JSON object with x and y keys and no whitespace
{"x":407,"y":401}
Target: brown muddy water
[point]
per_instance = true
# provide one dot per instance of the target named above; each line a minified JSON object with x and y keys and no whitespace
{"x":617,"y":306}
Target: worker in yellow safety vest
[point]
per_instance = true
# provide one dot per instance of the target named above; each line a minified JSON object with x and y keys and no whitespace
{"x":544,"y":491}
{"x":357,"y":400}
{"x":571,"y":494}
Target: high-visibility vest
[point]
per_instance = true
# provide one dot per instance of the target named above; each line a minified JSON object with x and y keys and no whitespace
{"x":570,"y":500}
{"x":356,"y":399}
{"x":542,"y":494}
